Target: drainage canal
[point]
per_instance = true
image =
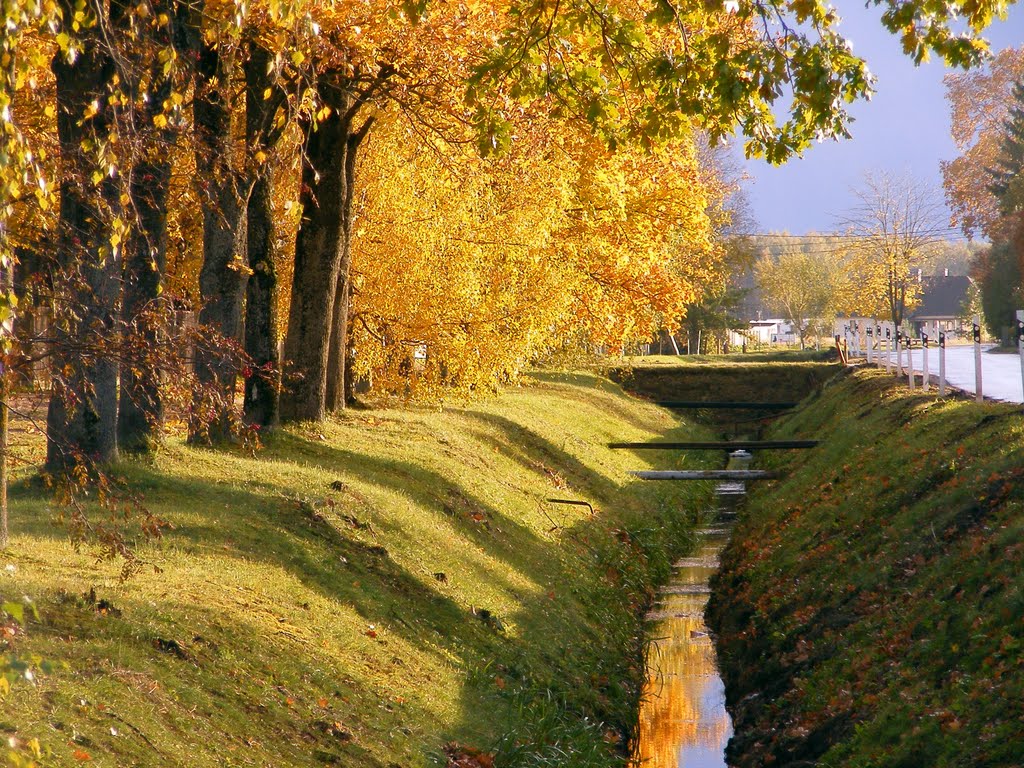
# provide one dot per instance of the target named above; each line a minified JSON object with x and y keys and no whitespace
{"x":683,"y":720}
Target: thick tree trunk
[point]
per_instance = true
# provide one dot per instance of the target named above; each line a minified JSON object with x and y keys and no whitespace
{"x":222,"y":276}
{"x":140,"y":408}
{"x":82,"y":417}
{"x":319,"y":250}
{"x":317,"y":323}
{"x":262,"y":384}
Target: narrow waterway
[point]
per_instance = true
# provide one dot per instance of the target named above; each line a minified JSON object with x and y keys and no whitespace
{"x":683,"y":720}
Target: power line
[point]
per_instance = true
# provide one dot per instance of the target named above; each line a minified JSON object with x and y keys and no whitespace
{"x":859,"y":242}
{"x":851,"y":236}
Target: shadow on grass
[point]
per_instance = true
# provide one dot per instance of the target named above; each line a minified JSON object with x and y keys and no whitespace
{"x":322,"y":553}
{"x":271,"y":700}
{"x":596,"y":390}
{"x":535,"y":454}
{"x":569,"y":641}
{"x":570,"y":685}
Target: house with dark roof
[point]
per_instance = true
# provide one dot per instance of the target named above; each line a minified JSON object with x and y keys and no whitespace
{"x":943,"y":299}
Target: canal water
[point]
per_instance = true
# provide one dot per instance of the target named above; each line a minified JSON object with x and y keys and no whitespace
{"x":683,"y":720}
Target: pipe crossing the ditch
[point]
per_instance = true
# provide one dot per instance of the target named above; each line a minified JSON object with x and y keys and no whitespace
{"x":705,"y":474}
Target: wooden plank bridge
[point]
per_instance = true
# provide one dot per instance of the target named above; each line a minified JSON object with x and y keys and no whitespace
{"x":725,"y":445}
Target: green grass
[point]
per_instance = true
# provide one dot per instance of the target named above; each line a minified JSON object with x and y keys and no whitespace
{"x":873,"y":598}
{"x":734,"y":378}
{"x":362,"y":593}
{"x":768,"y":356}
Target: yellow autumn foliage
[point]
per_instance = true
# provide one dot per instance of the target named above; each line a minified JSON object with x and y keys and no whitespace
{"x":467,"y":269}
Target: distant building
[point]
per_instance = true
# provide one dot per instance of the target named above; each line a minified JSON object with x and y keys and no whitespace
{"x":771,"y":331}
{"x":943,"y":298}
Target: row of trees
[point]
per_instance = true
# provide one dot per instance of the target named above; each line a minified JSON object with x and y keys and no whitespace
{"x":184,"y":155}
{"x":487,"y":179}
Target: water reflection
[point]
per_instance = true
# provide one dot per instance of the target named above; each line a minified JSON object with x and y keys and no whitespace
{"x":683,"y":721}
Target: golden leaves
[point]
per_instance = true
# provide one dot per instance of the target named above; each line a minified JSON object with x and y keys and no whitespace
{"x":472,"y":267}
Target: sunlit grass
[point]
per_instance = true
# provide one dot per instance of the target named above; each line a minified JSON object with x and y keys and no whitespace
{"x":809,"y":355}
{"x":361,"y":592}
{"x":876,"y":591}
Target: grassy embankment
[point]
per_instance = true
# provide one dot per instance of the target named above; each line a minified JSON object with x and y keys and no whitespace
{"x":786,"y":356}
{"x":870,"y":604}
{"x":748,"y":378}
{"x":751,"y":378}
{"x":363,"y":593}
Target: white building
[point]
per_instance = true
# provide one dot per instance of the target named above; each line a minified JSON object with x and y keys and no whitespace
{"x":771,"y":331}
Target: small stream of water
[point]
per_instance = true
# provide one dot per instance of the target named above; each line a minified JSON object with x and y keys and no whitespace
{"x":683,"y":720}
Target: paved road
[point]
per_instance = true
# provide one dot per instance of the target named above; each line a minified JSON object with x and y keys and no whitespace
{"x":1000,"y":374}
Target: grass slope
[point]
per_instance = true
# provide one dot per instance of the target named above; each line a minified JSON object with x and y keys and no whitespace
{"x":362,"y":593}
{"x":870,"y":605}
{"x":779,"y":377}
{"x":735,"y":377}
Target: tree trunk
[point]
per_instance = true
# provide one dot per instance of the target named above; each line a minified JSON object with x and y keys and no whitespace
{"x":28,"y":264}
{"x":222,"y":277}
{"x":5,"y":439}
{"x":336,"y":362}
{"x":317,"y":323}
{"x":348,"y":374}
{"x":320,"y":248}
{"x":82,"y":416}
{"x":338,"y":381}
{"x":262,"y":383}
{"x":140,"y":407}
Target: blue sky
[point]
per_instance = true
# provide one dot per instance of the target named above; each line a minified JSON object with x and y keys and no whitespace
{"x":904,"y":128}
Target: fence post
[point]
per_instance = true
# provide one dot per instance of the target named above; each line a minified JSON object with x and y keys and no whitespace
{"x":978,"y":396}
{"x":839,"y":349}
{"x":924,"y":360}
{"x":1020,"y":342}
{"x":910,"y":362}
{"x":942,"y":364}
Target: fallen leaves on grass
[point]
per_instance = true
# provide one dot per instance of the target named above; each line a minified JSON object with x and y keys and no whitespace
{"x":460,"y":756}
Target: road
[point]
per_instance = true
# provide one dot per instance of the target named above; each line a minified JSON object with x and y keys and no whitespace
{"x":1000,"y":374}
